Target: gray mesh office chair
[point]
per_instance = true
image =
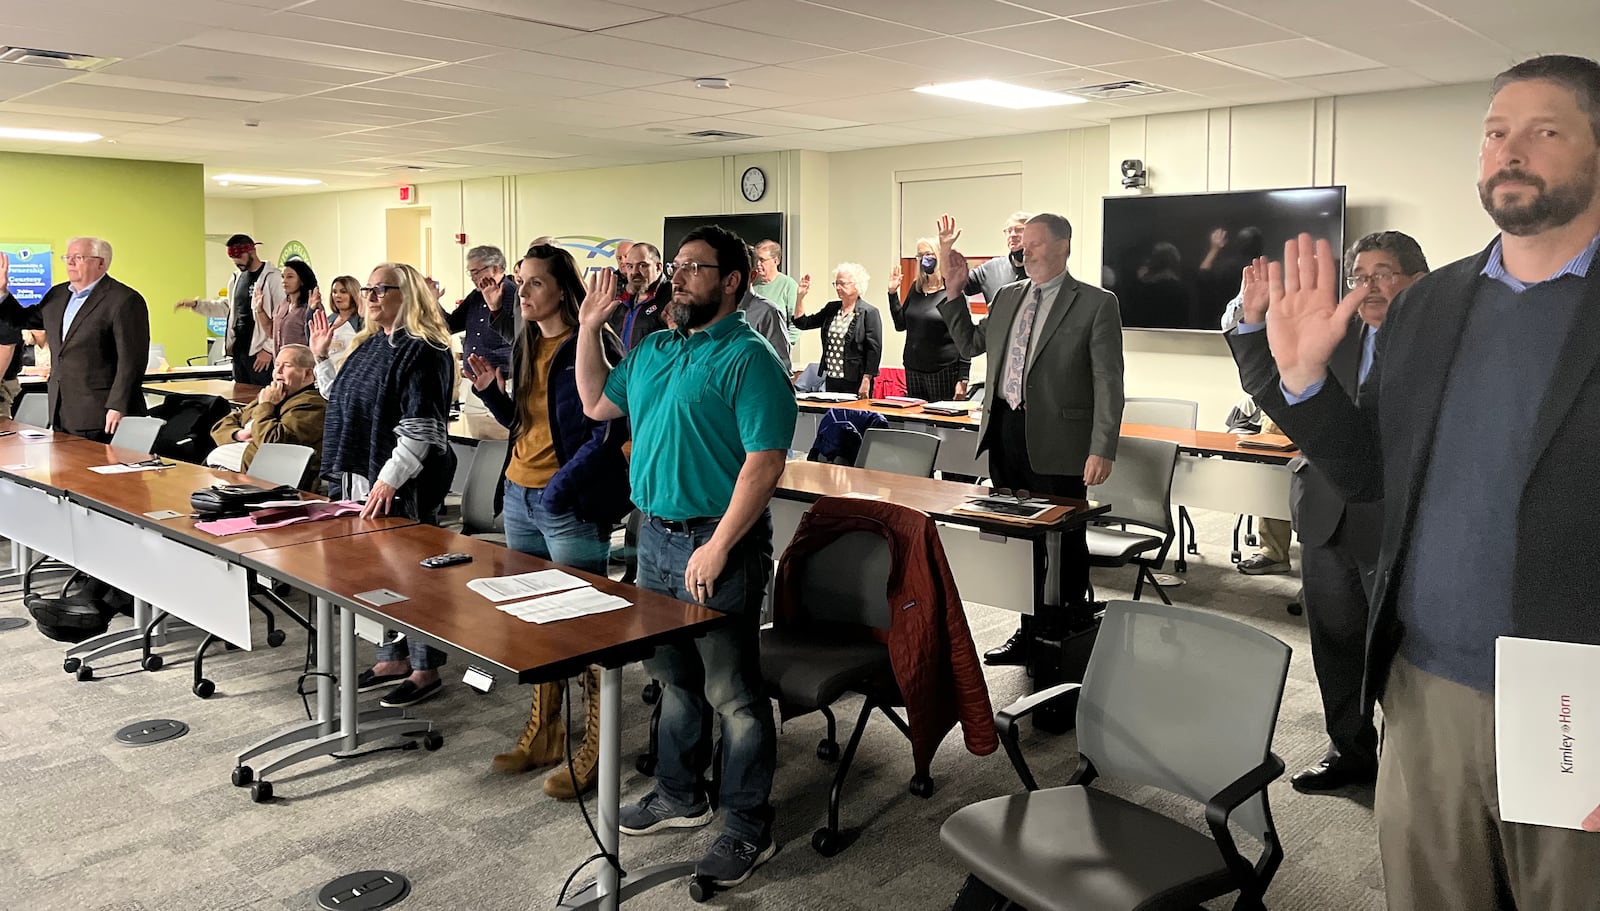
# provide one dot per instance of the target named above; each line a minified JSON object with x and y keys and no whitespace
{"x":280,"y":463}
{"x":137,"y":433}
{"x":1170,"y":413}
{"x":1179,"y":700}
{"x":1140,"y":493}
{"x":33,"y":409}
{"x":477,"y":497}
{"x":900,"y":451}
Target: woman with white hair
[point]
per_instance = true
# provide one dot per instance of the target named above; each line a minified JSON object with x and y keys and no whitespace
{"x":935,"y":370}
{"x":852,"y":333}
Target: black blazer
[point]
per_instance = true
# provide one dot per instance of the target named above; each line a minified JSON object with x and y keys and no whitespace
{"x":99,"y":365}
{"x":1382,"y":450}
{"x":863,"y":349}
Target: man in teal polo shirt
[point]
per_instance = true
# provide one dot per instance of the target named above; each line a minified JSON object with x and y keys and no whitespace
{"x":712,"y":414}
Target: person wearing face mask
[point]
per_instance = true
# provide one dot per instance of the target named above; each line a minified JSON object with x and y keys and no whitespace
{"x":935,"y":370}
{"x":254,"y":295}
{"x":1000,"y":271}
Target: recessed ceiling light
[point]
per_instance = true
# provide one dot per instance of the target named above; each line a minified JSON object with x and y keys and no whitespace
{"x":226,"y":179}
{"x":46,"y":135}
{"x":712,"y":82}
{"x":999,"y":94}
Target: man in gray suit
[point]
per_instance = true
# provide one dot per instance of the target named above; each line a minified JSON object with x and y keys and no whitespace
{"x":1054,"y":385}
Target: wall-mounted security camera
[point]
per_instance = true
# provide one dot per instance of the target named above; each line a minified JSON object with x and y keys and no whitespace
{"x":1133,"y":173}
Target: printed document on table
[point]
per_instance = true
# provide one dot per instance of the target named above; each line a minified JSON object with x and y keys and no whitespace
{"x":567,"y":605}
{"x":526,"y":585}
{"x":1547,"y":730}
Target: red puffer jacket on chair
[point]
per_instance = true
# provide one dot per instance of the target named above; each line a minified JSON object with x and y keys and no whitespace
{"x":935,"y":663}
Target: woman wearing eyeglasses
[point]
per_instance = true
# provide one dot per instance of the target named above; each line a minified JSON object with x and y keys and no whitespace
{"x":565,"y":486}
{"x":852,"y":333}
{"x":935,"y":370}
{"x":388,"y":406}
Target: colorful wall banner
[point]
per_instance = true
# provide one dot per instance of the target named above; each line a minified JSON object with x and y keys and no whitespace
{"x":30,"y":275}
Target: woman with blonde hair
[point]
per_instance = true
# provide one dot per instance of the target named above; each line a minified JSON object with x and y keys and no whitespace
{"x":852,"y":333}
{"x":388,"y":406}
{"x":344,"y":299}
{"x":935,"y":370}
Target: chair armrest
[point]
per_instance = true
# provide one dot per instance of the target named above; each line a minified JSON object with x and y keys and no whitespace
{"x":1005,"y":722}
{"x":1221,"y":806}
{"x":191,"y":361}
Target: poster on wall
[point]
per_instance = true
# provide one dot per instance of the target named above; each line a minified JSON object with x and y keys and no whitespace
{"x":592,"y":253}
{"x":29,"y":276}
{"x":294,"y":250}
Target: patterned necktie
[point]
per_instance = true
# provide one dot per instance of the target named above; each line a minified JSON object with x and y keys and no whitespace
{"x":1017,"y":358}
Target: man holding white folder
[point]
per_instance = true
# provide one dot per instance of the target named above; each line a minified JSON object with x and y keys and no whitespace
{"x":1479,"y":428}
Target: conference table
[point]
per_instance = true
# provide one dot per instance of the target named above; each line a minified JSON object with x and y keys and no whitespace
{"x":238,"y":394}
{"x":116,"y":527}
{"x":32,"y":381}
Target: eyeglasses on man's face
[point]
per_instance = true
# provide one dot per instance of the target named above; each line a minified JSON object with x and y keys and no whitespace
{"x":481,"y":270}
{"x":1379,"y":276}
{"x":72,"y":259}
{"x":688,"y":269}
{"x":377,"y":291}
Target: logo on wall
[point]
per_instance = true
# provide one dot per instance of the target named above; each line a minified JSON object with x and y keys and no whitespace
{"x":294,"y":250}
{"x":29,"y":275}
{"x":594,"y":247}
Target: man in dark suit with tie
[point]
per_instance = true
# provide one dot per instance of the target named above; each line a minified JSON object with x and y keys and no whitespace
{"x":1338,"y":538}
{"x":1054,"y":394}
{"x":99,"y":335}
{"x":1478,"y":428}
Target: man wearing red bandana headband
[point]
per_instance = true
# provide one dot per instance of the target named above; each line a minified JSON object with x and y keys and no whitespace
{"x":254,"y":294}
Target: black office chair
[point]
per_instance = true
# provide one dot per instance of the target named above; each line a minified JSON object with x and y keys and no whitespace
{"x":1140,"y":494}
{"x":808,"y":667}
{"x":1179,"y":700}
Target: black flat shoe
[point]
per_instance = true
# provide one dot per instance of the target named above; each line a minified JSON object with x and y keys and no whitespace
{"x":408,"y":694}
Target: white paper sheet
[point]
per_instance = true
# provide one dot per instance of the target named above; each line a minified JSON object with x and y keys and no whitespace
{"x":567,"y":605}
{"x":1547,"y":731}
{"x":526,"y":585}
{"x":126,"y":469}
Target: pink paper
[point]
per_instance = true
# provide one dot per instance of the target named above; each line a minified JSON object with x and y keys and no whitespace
{"x":314,"y":512}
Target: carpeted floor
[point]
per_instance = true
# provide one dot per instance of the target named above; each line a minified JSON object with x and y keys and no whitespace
{"x":89,"y":825}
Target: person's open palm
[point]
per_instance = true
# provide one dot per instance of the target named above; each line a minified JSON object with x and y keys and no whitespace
{"x":483,"y":374}
{"x":321,"y":337}
{"x":600,"y":300}
{"x":956,"y":271}
{"x":1253,"y":287}
{"x":948,"y":232}
{"x":1308,"y":320}
{"x":491,"y":289}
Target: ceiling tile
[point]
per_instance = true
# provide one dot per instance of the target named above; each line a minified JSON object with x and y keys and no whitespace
{"x":92,"y":38}
{"x":20,"y":80}
{"x":599,"y":72}
{"x":374,"y":93}
{"x":1296,"y":57}
{"x":506,"y":85}
{"x":289,"y":49}
{"x":1384,"y":80}
{"x":719,"y":40}
{"x":74,"y":95}
{"x":1069,"y":42}
{"x":957,"y":59}
{"x":584,"y":15}
{"x":867,"y":72}
{"x":432,"y":19}
{"x":647,"y":56}
{"x":1077,"y":77}
{"x":75,"y":111}
{"x":1186,"y":25}
{"x":1319,"y":17}
{"x":1183,"y":72}
{"x":950,"y":19}
{"x":190,"y":64}
{"x":814,"y":24}
{"x":814,"y":83}
{"x":228,"y":91}
{"x":367,"y":39}
{"x":1075,"y":7}
{"x":792,"y":120}
{"x":742,"y":95}
{"x":1411,"y":45}
{"x":644,"y":100}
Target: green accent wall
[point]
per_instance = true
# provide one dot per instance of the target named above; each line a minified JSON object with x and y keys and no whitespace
{"x":151,"y":212}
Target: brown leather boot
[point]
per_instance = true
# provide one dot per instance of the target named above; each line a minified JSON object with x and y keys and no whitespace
{"x":559,"y":783}
{"x":544,"y":740}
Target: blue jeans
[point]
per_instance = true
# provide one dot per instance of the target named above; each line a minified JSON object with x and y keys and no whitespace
{"x":417,"y":653}
{"x":561,"y":537}
{"x":719,"y":671}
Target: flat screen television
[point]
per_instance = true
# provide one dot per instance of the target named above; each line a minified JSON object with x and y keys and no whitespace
{"x":1174,"y":262}
{"x":754,"y":228}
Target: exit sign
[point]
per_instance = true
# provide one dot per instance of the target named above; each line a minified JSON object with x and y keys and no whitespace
{"x":408,"y":194}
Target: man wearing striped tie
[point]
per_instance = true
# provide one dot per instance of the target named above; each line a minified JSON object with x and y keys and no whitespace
{"x":1053,"y":393}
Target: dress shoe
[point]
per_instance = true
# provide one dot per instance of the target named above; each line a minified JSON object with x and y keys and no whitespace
{"x":1332,"y":773}
{"x":1014,"y":652}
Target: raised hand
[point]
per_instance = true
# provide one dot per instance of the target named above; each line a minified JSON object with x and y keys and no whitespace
{"x":483,"y":374}
{"x":600,"y":300}
{"x":1254,"y":289}
{"x":956,"y":271}
{"x":948,"y":233}
{"x":492,"y":290}
{"x":1219,"y":238}
{"x":5,"y":273}
{"x":803,"y":287}
{"x":321,"y":338}
{"x":1308,"y":319}
{"x":894,"y":279}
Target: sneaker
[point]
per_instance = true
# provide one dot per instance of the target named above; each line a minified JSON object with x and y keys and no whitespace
{"x":409,"y":694}
{"x":731,"y":861}
{"x":1262,"y":565}
{"x":652,"y":814}
{"x":371,"y":680}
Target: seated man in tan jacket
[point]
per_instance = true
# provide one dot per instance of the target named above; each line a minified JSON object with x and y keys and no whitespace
{"x":290,"y":410}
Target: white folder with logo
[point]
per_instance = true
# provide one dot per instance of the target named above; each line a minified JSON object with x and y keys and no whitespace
{"x":1547,"y":731}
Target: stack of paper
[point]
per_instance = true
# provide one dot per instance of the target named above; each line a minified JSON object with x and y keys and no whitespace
{"x":526,"y":585}
{"x":827,"y":397}
{"x":567,"y":605}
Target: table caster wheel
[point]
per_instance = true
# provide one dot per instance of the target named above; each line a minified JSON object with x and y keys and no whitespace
{"x":261,"y":791}
{"x":1180,"y":565}
{"x":701,"y":888}
{"x":71,"y":665}
{"x":827,"y":750}
{"x":276,"y":638}
{"x":646,"y":765}
{"x":243,"y":775}
{"x":825,"y":842}
{"x":204,"y":688}
{"x":152,"y":663}
{"x":85,"y":673}
{"x":921,"y":786}
{"x":1295,"y":608}
{"x":651,"y":694}
{"x":432,"y":741}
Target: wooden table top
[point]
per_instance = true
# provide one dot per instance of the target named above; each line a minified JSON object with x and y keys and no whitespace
{"x":811,"y":481}
{"x":473,"y":426}
{"x":187,"y":372}
{"x":441,"y":607}
{"x":238,"y":393}
{"x":15,"y":449}
{"x":1198,"y":442}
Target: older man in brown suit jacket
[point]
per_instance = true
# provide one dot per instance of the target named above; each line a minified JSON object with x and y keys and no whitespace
{"x":290,"y":410}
